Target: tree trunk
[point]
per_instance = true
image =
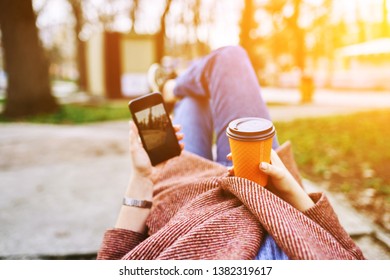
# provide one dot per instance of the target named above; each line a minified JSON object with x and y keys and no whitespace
{"x":160,"y":38}
{"x":112,"y":65}
{"x":248,"y":26}
{"x":133,"y":15}
{"x":300,"y":51}
{"x":385,"y":23}
{"x":80,"y":50}
{"x":29,"y":91}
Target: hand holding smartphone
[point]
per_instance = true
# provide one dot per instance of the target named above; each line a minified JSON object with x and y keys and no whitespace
{"x":155,"y":128}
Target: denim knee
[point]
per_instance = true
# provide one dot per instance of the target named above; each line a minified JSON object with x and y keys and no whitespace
{"x":232,"y":52}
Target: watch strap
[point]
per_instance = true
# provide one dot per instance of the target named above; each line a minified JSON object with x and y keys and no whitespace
{"x":127,"y":201}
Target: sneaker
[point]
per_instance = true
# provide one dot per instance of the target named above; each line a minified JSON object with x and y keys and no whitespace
{"x":158,"y":76}
{"x":161,"y":80}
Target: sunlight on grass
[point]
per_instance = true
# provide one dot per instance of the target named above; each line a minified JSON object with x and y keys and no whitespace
{"x":77,"y":114}
{"x":343,"y":146}
{"x":351,"y":153}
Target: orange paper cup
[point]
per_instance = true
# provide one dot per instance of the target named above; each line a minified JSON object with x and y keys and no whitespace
{"x":250,"y":142}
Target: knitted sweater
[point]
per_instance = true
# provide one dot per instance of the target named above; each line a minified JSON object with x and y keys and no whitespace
{"x":201,"y":213}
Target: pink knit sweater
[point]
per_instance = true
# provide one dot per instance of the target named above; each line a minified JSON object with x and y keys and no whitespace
{"x":201,"y":213}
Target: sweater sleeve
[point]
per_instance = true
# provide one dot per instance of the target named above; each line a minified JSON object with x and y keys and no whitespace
{"x":118,"y":242}
{"x":323,"y":214}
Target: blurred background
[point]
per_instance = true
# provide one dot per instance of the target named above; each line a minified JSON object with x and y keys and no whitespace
{"x":104,"y":48}
{"x":69,"y":67}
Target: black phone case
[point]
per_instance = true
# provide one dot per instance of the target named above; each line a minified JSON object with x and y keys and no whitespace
{"x":155,"y":128}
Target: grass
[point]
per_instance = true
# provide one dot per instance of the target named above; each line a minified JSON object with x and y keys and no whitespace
{"x":350,"y":146}
{"x":351,"y":153}
{"x":79,"y":114}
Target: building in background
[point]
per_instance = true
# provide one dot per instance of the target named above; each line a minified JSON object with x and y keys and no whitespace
{"x":363,"y":66}
{"x":117,"y":64}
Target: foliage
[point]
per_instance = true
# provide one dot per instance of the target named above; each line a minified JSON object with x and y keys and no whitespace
{"x":77,"y":114}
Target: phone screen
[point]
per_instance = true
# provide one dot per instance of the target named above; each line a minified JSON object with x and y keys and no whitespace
{"x":155,"y":128}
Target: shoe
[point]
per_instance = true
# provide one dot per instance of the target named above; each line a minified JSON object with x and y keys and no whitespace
{"x":158,"y":76}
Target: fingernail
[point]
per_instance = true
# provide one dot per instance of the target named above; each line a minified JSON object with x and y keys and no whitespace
{"x":263,"y":166}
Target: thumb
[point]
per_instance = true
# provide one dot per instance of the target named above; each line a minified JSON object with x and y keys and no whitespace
{"x":133,"y":135}
{"x":271,"y":170}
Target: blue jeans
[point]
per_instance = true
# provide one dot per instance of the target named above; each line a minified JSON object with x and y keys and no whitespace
{"x":215,"y":90}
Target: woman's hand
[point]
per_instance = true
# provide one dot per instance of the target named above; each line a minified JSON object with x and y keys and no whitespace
{"x":140,"y":185}
{"x":283,"y":183}
{"x":141,"y":165}
{"x":140,"y":162}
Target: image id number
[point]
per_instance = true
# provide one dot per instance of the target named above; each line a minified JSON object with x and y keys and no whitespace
{"x":232,"y":270}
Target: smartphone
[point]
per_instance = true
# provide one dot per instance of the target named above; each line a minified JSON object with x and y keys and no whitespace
{"x":155,"y":128}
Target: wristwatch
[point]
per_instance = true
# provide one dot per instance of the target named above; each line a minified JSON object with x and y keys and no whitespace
{"x":137,"y":202}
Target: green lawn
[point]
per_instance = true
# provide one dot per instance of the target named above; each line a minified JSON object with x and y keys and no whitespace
{"x":77,"y":114}
{"x":351,"y":153}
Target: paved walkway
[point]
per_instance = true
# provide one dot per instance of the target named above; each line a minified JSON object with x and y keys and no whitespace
{"x":325,"y":102}
{"x":57,"y":198}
